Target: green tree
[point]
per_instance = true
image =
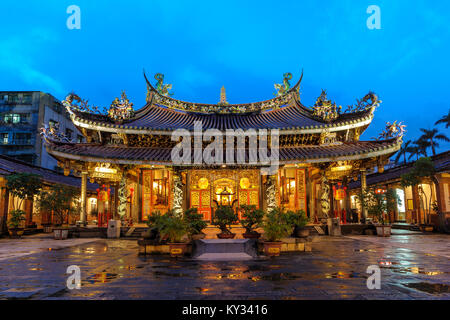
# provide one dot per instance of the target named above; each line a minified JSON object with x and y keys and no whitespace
{"x":377,"y":204}
{"x":23,"y":186}
{"x":445,"y":119}
{"x":62,"y":200}
{"x":430,"y":137}
{"x":423,"y":170}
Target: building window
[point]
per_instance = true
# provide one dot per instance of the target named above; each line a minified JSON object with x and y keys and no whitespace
{"x":69,"y":133}
{"x":4,"y":138}
{"x":79,"y":138}
{"x":27,"y":99}
{"x":22,"y":138}
{"x":53,"y":124}
{"x":12,"y":118}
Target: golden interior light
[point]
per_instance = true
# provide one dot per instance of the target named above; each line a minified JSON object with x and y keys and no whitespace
{"x":244,"y":183}
{"x":105,"y":170}
{"x":203,"y":183}
{"x":341,"y":168}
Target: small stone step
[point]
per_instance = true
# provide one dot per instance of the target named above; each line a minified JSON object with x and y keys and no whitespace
{"x":232,"y":256}
{"x":225,"y":249}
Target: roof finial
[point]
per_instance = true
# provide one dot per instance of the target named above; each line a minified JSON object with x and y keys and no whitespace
{"x":223,"y":97}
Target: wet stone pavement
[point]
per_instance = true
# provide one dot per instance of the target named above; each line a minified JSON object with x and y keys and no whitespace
{"x":336,"y":269}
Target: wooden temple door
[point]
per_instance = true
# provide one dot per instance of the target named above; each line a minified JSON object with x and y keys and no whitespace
{"x":248,"y":189}
{"x":201,"y":199}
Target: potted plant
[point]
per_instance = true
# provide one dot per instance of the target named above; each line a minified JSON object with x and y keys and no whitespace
{"x":175,"y":228}
{"x":224,"y":216}
{"x":377,"y":204}
{"x":299,"y":220}
{"x":63,"y":201}
{"x":276,"y":226}
{"x":17,"y":217}
{"x":252,"y":218}
{"x":195,"y":224}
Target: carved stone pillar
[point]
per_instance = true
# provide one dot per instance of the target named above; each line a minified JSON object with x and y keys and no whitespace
{"x":122,"y":195}
{"x":177,"y":189}
{"x":363,"y":189}
{"x":271,"y":192}
{"x":83,"y":195}
{"x":325,"y":196}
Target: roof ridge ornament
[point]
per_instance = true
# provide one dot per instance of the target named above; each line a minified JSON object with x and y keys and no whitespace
{"x":162,"y":88}
{"x":75,"y":102}
{"x":283,"y":88}
{"x":392,"y":130}
{"x":326,"y":109}
{"x":121,"y":109}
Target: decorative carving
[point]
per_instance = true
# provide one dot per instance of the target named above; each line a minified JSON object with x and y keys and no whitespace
{"x":122,"y":195}
{"x":177,"y":194}
{"x":271,"y":192}
{"x":121,"y":109}
{"x":283,"y":88}
{"x":368,"y":101}
{"x":327,"y":137}
{"x":325,"y":109}
{"x":52,"y":133}
{"x":74,"y":102}
{"x":325,"y":196}
{"x":392,"y":130}
{"x":162,"y":88}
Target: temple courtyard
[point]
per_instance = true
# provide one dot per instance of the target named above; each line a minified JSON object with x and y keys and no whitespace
{"x":413,"y":266}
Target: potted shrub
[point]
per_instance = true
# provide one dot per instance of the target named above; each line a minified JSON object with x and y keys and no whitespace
{"x":299,"y":220}
{"x":63,"y":201}
{"x":224,"y":216}
{"x":276,"y":226}
{"x":377,"y":204}
{"x":15,"y":222}
{"x":195,"y":224}
{"x":175,"y":229}
{"x":252,"y":219}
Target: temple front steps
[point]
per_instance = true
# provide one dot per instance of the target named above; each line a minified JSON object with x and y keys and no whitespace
{"x":224,"y":249}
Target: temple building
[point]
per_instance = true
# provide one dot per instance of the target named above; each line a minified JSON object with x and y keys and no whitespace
{"x":312,"y":152}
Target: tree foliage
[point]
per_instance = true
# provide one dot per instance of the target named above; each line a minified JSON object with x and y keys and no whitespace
{"x":62,"y":200}
{"x":23,"y":186}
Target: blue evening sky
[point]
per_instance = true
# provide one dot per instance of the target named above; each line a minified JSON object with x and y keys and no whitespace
{"x":244,"y":45}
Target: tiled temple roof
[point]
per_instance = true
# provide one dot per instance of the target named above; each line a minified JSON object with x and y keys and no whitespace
{"x":10,"y":166}
{"x":309,"y":153}
{"x":289,"y":117}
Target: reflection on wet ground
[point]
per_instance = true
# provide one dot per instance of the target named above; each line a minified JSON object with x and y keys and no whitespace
{"x":336,"y":269}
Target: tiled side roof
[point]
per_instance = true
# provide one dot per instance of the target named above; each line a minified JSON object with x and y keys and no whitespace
{"x":441,"y":163}
{"x":10,"y":166}
{"x":313,"y":153}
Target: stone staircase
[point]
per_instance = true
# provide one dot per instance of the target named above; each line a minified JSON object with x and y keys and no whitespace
{"x":225,"y":249}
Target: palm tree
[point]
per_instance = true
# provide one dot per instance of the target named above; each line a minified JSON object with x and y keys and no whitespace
{"x":445,"y":119}
{"x":430,"y":137}
{"x":402,"y":152}
{"x":414,"y":150}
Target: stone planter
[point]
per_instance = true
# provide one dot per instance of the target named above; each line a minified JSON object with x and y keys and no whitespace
{"x":383,"y":230}
{"x":198,"y":236}
{"x":272,"y":249}
{"x":60,"y":233}
{"x":226,"y":235}
{"x":177,"y":249}
{"x":302,"y":232}
{"x":16,"y":232}
{"x":251,"y":235}
{"x":426,"y":228}
{"x":47,"y":228}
